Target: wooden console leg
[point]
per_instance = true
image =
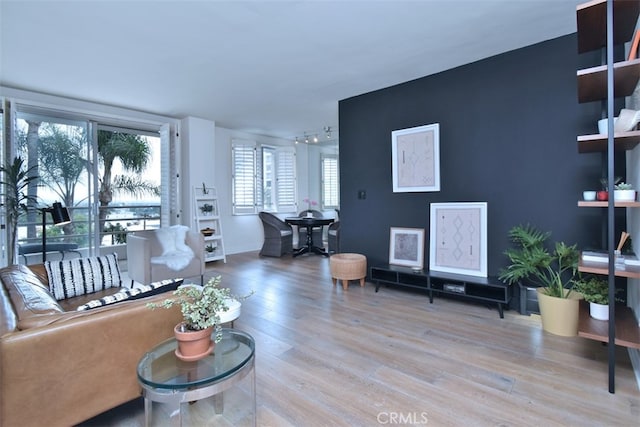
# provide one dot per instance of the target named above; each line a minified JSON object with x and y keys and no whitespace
{"x":334,"y":280}
{"x":362,"y":282}
{"x":345,"y":284}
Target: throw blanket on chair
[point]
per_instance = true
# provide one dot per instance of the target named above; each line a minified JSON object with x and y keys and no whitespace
{"x":176,"y":255}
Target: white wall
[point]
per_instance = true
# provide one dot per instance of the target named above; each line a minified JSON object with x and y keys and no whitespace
{"x":198,"y":158}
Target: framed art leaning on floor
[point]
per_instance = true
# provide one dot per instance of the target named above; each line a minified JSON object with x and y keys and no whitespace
{"x":458,"y":238}
{"x":406,"y":247}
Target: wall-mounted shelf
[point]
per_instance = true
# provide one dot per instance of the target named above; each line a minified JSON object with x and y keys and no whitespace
{"x":627,"y":333}
{"x":602,"y":268}
{"x":592,"y":82}
{"x":597,"y":143}
{"x":591,"y":23}
{"x":598,"y":204}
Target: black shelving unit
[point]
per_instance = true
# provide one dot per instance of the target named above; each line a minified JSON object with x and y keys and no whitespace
{"x":602,"y":24}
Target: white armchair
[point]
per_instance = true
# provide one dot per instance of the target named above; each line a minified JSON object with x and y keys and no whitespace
{"x":144,"y":249}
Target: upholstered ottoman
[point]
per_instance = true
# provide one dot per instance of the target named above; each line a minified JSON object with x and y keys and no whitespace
{"x":232,"y":313}
{"x":347,"y":267}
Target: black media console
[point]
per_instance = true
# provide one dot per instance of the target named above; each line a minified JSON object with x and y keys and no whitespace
{"x":485,"y":289}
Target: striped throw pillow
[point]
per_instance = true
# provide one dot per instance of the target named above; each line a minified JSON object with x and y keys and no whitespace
{"x":80,"y":276}
{"x":135,"y":293}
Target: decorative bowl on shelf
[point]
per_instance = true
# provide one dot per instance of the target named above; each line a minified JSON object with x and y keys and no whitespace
{"x":208,"y":231}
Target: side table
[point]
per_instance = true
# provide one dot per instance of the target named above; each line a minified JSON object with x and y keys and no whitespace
{"x":165,"y":378}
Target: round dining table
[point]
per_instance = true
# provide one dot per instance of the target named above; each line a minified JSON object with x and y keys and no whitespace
{"x":309,"y":223}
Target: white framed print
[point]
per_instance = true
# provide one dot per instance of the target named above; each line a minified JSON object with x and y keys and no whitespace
{"x":415,"y":154}
{"x":406,"y":247}
{"x":458,"y":238}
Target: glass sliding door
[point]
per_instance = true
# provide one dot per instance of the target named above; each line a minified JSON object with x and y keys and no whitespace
{"x":60,"y":150}
{"x":111,"y":174}
{"x":128,"y":183}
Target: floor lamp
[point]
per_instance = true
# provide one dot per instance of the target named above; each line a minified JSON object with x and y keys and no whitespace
{"x":60,"y":216}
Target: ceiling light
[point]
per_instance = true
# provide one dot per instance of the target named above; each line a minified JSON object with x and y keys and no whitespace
{"x":315,"y":138}
{"x":327,"y":131}
{"x":296,"y":141}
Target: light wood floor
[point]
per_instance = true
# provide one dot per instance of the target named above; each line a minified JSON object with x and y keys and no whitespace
{"x":326,"y":357}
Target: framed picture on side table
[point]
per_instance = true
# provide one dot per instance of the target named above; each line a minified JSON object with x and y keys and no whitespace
{"x":458,"y":238}
{"x":406,"y":247}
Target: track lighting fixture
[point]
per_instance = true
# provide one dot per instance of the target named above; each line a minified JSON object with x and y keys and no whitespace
{"x":327,"y":131}
{"x":313,"y":137}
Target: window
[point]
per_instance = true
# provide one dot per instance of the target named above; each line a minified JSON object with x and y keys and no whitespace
{"x":244,"y":178}
{"x":107,"y":171}
{"x":266,"y":182}
{"x":330,"y":187}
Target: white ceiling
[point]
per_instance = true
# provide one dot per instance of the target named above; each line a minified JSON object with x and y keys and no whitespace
{"x":275,"y":68}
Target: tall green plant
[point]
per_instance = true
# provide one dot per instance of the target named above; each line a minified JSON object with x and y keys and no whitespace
{"x":15,"y":179}
{"x":531,"y":260}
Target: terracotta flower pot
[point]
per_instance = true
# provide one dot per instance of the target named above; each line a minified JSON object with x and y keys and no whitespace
{"x":193,"y":345}
{"x":602,"y":195}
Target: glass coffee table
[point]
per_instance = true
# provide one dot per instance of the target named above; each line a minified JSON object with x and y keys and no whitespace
{"x":165,"y":378}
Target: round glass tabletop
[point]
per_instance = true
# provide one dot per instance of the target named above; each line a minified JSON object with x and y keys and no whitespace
{"x":160,"y":368}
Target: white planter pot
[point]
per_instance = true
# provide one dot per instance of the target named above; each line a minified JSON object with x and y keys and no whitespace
{"x":624,"y":195}
{"x":599,"y":311}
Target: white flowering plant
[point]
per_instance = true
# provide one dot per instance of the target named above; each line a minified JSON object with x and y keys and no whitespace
{"x":310,"y":203}
{"x":201,"y":305}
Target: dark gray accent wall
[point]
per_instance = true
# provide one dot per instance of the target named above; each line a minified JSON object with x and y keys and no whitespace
{"x":508,"y":127}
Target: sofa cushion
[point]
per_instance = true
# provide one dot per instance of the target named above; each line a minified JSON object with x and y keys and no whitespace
{"x":132,"y":294}
{"x":30,"y":300}
{"x":79,"y":276}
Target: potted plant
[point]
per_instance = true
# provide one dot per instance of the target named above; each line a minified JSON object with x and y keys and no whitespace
{"x":15,"y":182}
{"x":200,"y":307}
{"x":552,"y":270}
{"x":206,"y":209}
{"x":310,"y":205}
{"x":603,"y":194}
{"x":624,"y":192}
{"x":595,"y":290}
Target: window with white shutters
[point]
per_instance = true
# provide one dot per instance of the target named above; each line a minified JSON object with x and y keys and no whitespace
{"x":285,"y":180}
{"x":244,"y":177}
{"x":265,"y":182}
{"x":330,"y":185}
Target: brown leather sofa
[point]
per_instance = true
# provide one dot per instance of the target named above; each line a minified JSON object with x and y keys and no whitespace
{"x":59,"y":366}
